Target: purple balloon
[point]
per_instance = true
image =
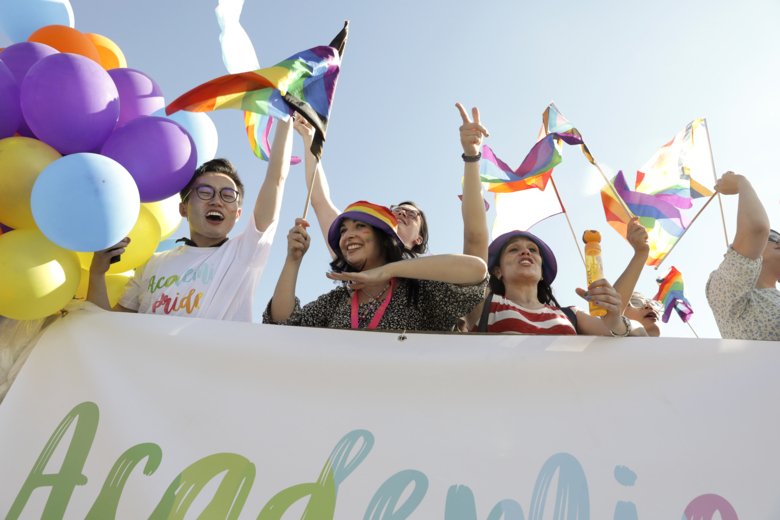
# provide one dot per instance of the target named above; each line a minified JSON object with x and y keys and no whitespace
{"x":70,"y":103}
{"x":10,"y":113}
{"x":139,"y":95}
{"x":19,"y":57}
{"x":158,"y":153}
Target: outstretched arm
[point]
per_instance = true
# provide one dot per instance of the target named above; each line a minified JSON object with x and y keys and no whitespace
{"x":458,"y":269}
{"x":626,"y":282}
{"x":475,"y":232}
{"x":269,"y":198}
{"x":324,"y":208}
{"x":283,"y":302}
{"x":752,"y":220}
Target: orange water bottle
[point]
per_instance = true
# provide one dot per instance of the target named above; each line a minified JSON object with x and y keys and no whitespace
{"x":593,"y":265}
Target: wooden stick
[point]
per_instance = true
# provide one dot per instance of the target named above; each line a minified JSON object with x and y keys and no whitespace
{"x":685,"y":231}
{"x":310,"y":189}
{"x":715,"y":175}
{"x":571,"y":228}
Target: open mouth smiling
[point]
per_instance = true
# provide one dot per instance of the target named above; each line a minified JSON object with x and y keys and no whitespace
{"x":215,"y":216}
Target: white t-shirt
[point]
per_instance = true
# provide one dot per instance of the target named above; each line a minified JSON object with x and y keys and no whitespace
{"x":203,"y":282}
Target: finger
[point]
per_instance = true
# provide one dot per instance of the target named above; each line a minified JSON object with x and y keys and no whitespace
{"x":302,"y":222}
{"x":463,"y":113}
{"x":475,"y":114}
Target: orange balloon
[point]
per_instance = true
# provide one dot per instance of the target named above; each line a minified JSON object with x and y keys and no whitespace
{"x":66,"y":39}
{"x":111,"y":56}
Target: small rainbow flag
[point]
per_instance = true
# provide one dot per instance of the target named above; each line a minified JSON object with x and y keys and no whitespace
{"x":258,"y":129}
{"x":533,"y":172}
{"x":304,"y":83}
{"x":670,"y":293}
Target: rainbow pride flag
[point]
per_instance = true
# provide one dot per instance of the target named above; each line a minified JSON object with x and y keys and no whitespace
{"x":670,"y":293}
{"x":669,"y":172}
{"x":533,"y":172}
{"x":258,"y":130}
{"x":553,"y":122}
{"x":663,"y":221}
{"x":304,"y":83}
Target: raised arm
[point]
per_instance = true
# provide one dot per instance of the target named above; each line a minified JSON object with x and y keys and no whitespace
{"x":283,"y":302}
{"x":269,"y":198}
{"x":324,"y":208}
{"x":752,"y":220}
{"x":636,"y":235}
{"x":475,"y":232}
{"x":458,"y":269}
{"x":101,"y":261}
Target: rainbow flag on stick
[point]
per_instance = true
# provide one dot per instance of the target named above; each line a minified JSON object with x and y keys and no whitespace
{"x":670,"y":293}
{"x":304,"y":83}
{"x":533,"y":172}
{"x":663,"y":221}
{"x":669,"y":172}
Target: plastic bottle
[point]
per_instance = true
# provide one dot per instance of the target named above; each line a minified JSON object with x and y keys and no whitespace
{"x":593,"y":265}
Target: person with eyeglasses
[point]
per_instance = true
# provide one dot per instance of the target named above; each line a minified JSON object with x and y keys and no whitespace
{"x":209,"y":275}
{"x":644,"y":312}
{"x":742,"y":291}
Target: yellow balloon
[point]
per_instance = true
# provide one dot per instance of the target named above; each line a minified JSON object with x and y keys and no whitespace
{"x":166,"y":212}
{"x":111,"y":56}
{"x":115,"y":285}
{"x":38,"y":277}
{"x":144,"y":238}
{"x":21,"y":160}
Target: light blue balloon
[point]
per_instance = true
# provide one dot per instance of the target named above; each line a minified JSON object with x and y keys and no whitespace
{"x":85,"y":202}
{"x":202,"y":130}
{"x":20,"y":18}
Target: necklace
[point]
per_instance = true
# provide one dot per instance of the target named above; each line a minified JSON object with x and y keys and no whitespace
{"x":377,"y":296}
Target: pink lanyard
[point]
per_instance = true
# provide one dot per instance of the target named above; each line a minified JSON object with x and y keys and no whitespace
{"x":379,"y":312}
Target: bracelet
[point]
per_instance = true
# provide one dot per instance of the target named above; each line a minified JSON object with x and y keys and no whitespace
{"x":471,"y":158}
{"x":627,"y":324}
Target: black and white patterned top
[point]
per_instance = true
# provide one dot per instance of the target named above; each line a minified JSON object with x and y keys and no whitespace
{"x":440,"y":305}
{"x":741,"y":310}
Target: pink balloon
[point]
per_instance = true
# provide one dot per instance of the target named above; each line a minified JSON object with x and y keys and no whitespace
{"x":158,"y":153}
{"x":70,"y":103}
{"x":139,"y":95}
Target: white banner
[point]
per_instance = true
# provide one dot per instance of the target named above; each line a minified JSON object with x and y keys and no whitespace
{"x":127,"y":416}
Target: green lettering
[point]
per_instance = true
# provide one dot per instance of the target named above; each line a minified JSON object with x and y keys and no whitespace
{"x":64,"y":482}
{"x":229,"y":497}
{"x":106,"y":504}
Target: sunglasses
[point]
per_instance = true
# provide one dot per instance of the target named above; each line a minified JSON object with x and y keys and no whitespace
{"x":638,"y":302}
{"x":402,"y":211}
{"x":206,"y":192}
{"x":774,"y":238}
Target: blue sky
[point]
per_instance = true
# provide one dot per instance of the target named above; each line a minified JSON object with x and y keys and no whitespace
{"x":629,"y":75}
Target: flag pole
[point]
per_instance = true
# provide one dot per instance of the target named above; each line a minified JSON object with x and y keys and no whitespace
{"x":310,"y":188}
{"x":715,"y":175}
{"x":686,"y":230}
{"x":691,"y":327}
{"x":571,"y":228}
{"x":612,"y":188}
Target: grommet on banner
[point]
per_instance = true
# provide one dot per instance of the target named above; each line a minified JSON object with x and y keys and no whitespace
{"x":402,"y":336}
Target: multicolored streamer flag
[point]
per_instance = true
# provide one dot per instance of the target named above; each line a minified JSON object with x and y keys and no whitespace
{"x":537,"y":167}
{"x":663,"y":221}
{"x":670,"y":293}
{"x":303,"y":83}
{"x":669,"y":172}
{"x":238,"y":55}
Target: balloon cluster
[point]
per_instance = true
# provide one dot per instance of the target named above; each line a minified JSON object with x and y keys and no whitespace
{"x":87,"y":157}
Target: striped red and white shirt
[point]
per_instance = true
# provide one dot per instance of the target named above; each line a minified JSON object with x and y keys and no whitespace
{"x":507,"y":316}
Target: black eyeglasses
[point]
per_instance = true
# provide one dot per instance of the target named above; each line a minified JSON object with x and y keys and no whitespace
{"x":401,"y":211}
{"x":206,"y":192}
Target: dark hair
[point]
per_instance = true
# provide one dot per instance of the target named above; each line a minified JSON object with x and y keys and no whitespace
{"x":422,"y":247}
{"x":390,"y":250}
{"x":215,"y":166}
{"x":544,"y":291}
